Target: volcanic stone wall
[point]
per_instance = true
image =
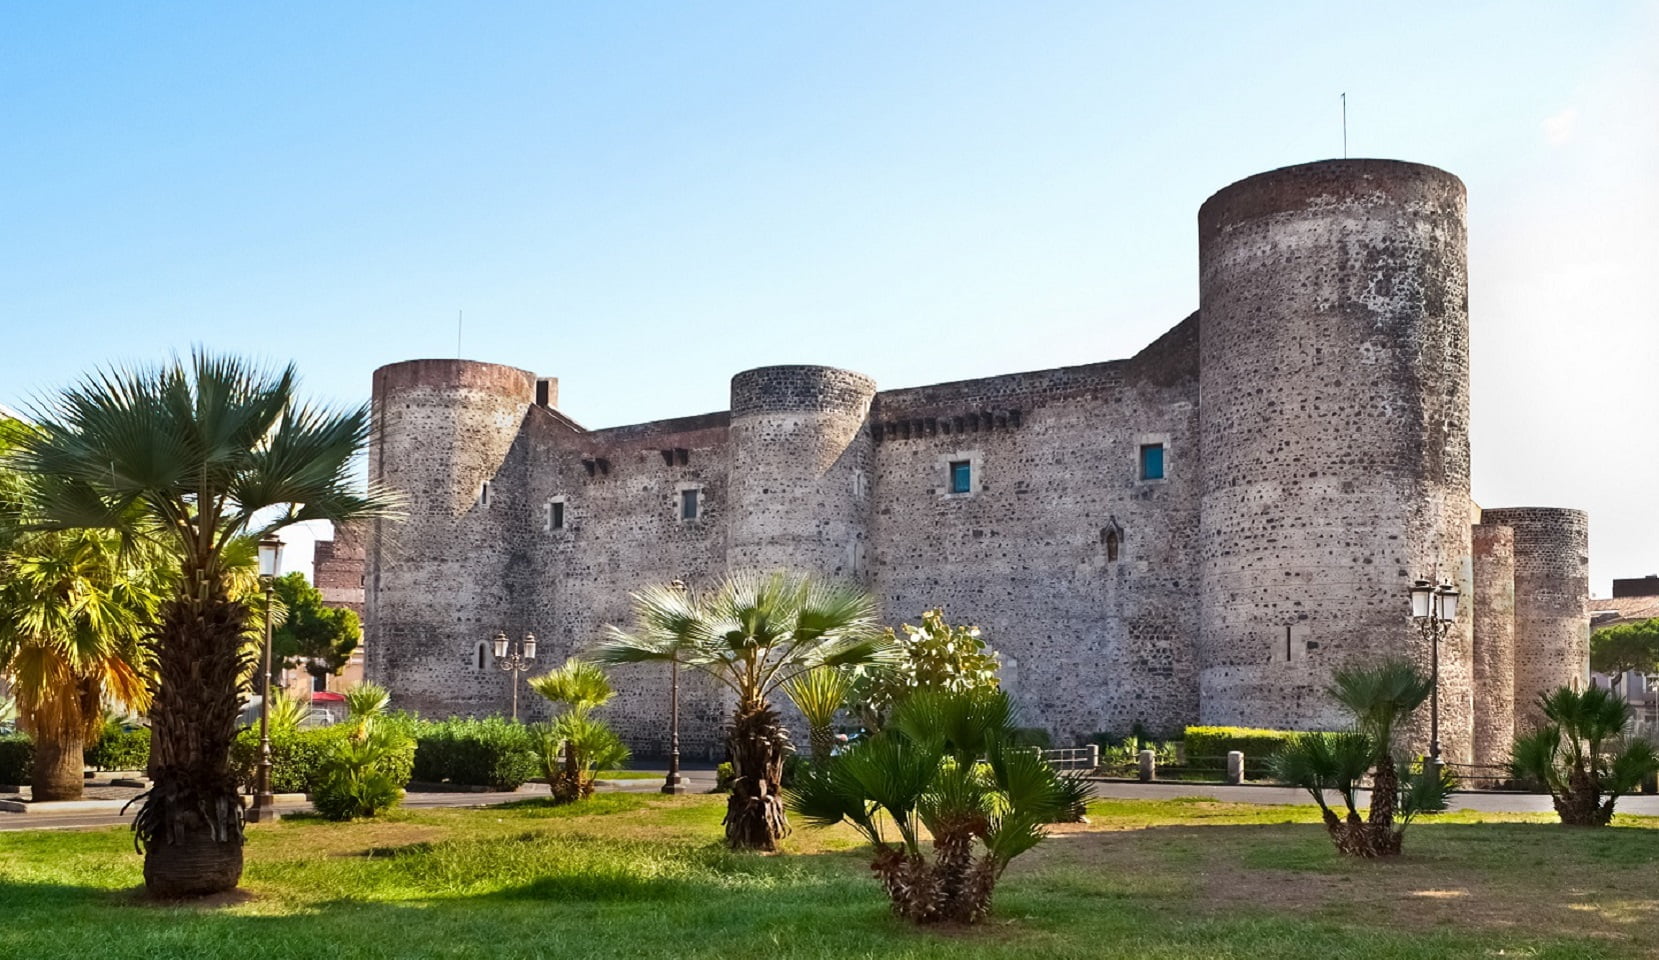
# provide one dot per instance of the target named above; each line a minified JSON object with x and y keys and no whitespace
{"x":1333,"y":433}
{"x":1089,"y":643}
{"x":438,"y":585}
{"x":1552,"y":590}
{"x":1493,"y":609}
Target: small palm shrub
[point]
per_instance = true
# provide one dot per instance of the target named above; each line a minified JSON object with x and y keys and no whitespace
{"x":355,"y":784}
{"x":572,"y":750}
{"x":1582,"y":756}
{"x":367,"y":700}
{"x":1380,"y":698}
{"x":299,"y":757}
{"x":576,"y":745}
{"x":819,"y":694}
{"x":922,"y":772}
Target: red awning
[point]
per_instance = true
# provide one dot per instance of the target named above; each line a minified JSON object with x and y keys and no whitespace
{"x":324,"y":696}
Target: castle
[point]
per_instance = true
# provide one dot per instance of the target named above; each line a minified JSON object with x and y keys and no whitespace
{"x":1199,"y":533}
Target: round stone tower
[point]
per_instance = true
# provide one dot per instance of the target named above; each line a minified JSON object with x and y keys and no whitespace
{"x":800,"y":471}
{"x":437,"y":582}
{"x":1493,"y":609}
{"x":1333,"y":426}
{"x":1552,"y":594}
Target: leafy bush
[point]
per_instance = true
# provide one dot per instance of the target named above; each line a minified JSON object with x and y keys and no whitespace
{"x":119,"y":749}
{"x":1123,"y":758}
{"x":354,"y":783}
{"x":299,"y":757}
{"x":493,"y":752}
{"x":933,"y":656}
{"x":1210,"y":745}
{"x":17,"y":759}
{"x":1030,"y":737}
{"x":724,"y":774}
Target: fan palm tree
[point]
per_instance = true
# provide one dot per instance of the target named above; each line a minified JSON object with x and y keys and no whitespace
{"x":209,"y":450}
{"x":753,"y":634}
{"x":1380,"y":697}
{"x":74,"y":607}
{"x":1582,"y":756}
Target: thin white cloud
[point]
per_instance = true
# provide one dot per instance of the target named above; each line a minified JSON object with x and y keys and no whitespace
{"x":1558,"y":129}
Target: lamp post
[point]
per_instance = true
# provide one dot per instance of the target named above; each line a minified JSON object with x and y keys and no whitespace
{"x":515,"y":662}
{"x":674,"y":783}
{"x":1434,"y":607}
{"x":270,"y":564}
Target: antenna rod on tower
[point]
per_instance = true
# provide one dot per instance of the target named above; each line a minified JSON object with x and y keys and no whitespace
{"x":459,"y":314}
{"x":1345,"y":125}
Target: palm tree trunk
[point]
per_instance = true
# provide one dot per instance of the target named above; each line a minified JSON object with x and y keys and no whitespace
{"x":755,"y":817}
{"x":60,"y":759}
{"x":191,"y":823}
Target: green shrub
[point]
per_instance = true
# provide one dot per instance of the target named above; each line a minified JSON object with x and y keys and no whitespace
{"x":354,"y":783}
{"x":119,"y":749}
{"x":17,"y":758}
{"x":493,"y":752}
{"x":1209,"y":746}
{"x":1030,"y":737}
{"x":298,"y":757}
{"x":724,"y":774}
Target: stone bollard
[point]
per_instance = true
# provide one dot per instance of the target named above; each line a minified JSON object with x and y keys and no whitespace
{"x":1094,"y":756}
{"x":1235,"y":766}
{"x":1149,"y":766}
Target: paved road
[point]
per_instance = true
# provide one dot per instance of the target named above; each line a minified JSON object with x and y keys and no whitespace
{"x":701,"y":781}
{"x":697,"y":781}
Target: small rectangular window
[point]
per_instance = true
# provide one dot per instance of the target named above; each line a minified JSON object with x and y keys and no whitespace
{"x":555,"y":516}
{"x":1152,"y":461}
{"x":688,"y":504}
{"x":961,"y":476}
{"x":484,"y":494}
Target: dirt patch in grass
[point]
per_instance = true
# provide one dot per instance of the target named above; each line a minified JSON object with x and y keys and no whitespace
{"x":1443,"y":881}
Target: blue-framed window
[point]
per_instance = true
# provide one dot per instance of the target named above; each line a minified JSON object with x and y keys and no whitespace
{"x":961,"y":476}
{"x":688,"y":504}
{"x":1152,"y":461}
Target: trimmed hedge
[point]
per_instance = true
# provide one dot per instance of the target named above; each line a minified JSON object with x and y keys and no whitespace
{"x":17,"y":759}
{"x":493,"y":752}
{"x":119,"y":749}
{"x":299,"y":757}
{"x":1207,"y":745}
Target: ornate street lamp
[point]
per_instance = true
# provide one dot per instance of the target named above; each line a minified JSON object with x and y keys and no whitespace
{"x":1434,"y":607}
{"x":515,"y":662}
{"x":674,"y":783}
{"x":270,"y":566}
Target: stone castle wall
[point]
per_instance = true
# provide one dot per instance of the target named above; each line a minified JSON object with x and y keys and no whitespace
{"x":1314,"y":422}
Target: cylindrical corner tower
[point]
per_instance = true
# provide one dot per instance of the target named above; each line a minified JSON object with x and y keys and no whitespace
{"x":1493,"y":610}
{"x":437,"y":578}
{"x":1552,"y":597}
{"x":1333,"y":426}
{"x":800,"y":471}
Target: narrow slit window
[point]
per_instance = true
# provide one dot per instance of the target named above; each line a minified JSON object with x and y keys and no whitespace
{"x":961,"y":476}
{"x":688,"y":504}
{"x":1152,"y":461}
{"x":484,"y":494}
{"x":1111,"y":547}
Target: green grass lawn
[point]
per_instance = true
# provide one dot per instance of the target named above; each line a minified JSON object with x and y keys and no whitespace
{"x":646,"y":876}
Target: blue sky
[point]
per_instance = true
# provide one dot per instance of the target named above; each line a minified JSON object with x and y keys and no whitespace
{"x":643,"y":199}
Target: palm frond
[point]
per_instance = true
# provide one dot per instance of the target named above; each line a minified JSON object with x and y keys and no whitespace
{"x":578,"y":684}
